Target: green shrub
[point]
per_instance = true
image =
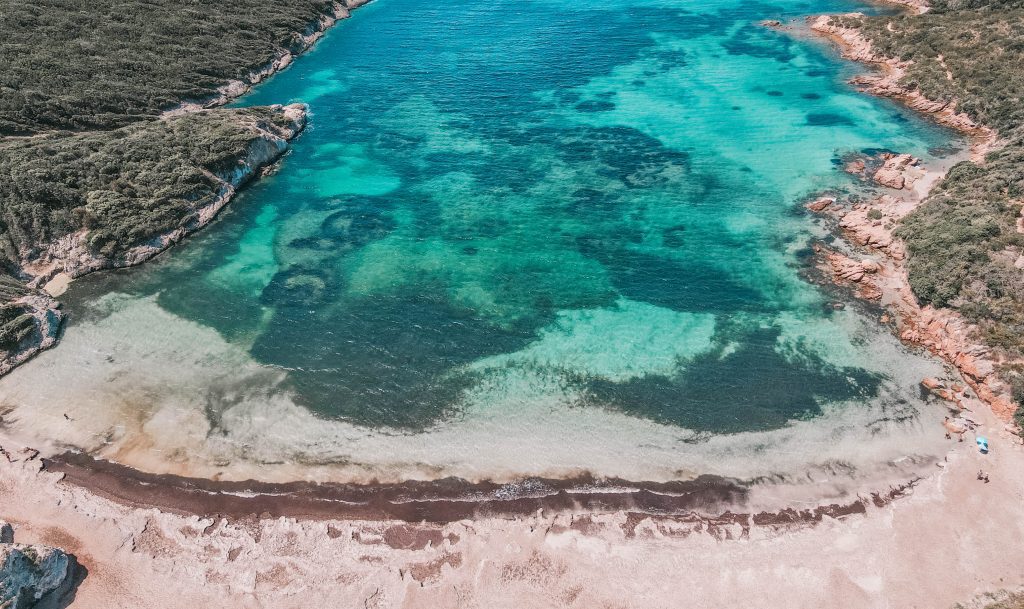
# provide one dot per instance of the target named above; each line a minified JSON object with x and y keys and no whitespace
{"x":15,"y":325}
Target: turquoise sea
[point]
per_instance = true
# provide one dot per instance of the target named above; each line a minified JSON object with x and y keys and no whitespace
{"x":516,"y":238}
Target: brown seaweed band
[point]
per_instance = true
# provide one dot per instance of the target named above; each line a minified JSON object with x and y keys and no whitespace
{"x":444,"y":500}
{"x":438,"y":501}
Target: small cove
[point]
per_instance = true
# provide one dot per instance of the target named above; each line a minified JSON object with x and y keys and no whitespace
{"x":515,"y":240}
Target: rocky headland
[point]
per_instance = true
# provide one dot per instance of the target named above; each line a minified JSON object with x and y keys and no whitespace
{"x":41,"y":260}
{"x":170,"y":183}
{"x":870,"y":227}
{"x":264,"y":137}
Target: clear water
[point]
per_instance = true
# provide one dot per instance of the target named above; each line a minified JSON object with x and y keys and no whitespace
{"x":548,"y":230}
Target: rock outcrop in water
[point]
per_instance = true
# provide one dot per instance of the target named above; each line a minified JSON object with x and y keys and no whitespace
{"x":29,"y":573}
{"x":35,"y":326}
{"x":899,"y":171}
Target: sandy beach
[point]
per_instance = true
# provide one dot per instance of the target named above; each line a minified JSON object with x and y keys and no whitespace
{"x":947,"y":539}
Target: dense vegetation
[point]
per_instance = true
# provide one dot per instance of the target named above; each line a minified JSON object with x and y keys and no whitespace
{"x":964,"y":240}
{"x":68,"y":64}
{"x":16,"y":323}
{"x":124,"y":186}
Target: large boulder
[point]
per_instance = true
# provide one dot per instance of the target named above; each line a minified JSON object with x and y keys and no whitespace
{"x":30,"y":572}
{"x":898,"y":171}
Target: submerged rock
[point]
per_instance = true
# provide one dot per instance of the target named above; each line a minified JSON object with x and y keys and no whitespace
{"x":821,"y":203}
{"x":846,"y":270}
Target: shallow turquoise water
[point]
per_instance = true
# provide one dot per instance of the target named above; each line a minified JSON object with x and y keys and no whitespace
{"x":475,"y":171}
{"x":506,"y":203}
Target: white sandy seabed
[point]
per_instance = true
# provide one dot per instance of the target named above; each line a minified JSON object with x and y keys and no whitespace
{"x":141,"y":386}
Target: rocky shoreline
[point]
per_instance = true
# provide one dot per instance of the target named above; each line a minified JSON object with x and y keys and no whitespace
{"x":47,"y":271}
{"x":870,"y":227}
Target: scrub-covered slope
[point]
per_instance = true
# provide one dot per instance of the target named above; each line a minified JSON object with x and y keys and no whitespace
{"x":107,"y":198}
{"x":966,"y":247}
{"x":66,"y":64}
